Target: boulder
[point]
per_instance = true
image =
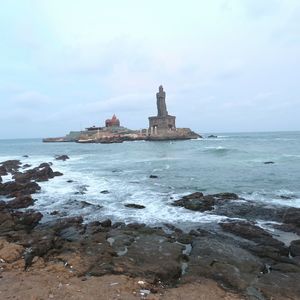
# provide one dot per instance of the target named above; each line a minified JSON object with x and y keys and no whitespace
{"x":41,"y":173}
{"x":132,"y":205}
{"x":10,"y":252}
{"x":295,"y":248}
{"x":153,"y":176}
{"x":62,"y":157}
{"x":10,"y":166}
{"x":197,"y":202}
{"x":15,"y":189}
{"x":20,"y":202}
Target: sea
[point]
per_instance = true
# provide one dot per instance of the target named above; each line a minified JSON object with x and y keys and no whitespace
{"x":99,"y":179}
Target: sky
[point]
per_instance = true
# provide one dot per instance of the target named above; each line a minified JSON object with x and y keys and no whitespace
{"x":226,"y":65}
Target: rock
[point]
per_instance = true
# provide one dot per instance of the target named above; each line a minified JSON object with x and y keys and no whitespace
{"x":226,"y":196}
{"x":132,"y":205}
{"x":26,"y":166}
{"x":20,"y":202}
{"x":295,"y":248}
{"x":26,"y":156}
{"x":104,"y":192}
{"x":224,"y":261}
{"x":279,"y":285}
{"x":212,"y":136}
{"x":15,"y":189}
{"x":70,"y":181}
{"x":3,"y":171}
{"x":62,"y":157}
{"x":10,"y":166}
{"x":291,"y":216}
{"x":266,"y":246}
{"x":153,"y":176}
{"x":41,"y":173}
{"x":106,"y":223}
{"x":197,"y":202}
{"x":269,"y":162}
{"x":10,"y":252}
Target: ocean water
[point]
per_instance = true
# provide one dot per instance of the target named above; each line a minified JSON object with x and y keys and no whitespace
{"x":229,"y":163}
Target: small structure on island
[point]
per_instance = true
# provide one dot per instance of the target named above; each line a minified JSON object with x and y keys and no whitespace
{"x":163,"y":122}
{"x":113,"y":122}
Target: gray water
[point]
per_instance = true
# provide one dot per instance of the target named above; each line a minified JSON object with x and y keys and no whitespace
{"x":229,"y":163}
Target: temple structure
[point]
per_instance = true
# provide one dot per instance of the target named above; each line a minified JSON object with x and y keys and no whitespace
{"x":163,"y":122}
{"x":113,"y":122}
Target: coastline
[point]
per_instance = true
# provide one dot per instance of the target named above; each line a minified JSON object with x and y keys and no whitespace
{"x":239,"y":255}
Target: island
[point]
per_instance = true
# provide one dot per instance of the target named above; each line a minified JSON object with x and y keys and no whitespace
{"x":161,"y":128}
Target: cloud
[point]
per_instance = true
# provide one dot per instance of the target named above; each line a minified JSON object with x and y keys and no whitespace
{"x":30,"y":99}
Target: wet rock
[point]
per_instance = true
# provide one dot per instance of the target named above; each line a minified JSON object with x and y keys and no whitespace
{"x":27,"y":220}
{"x":254,"y":233}
{"x":106,"y":223}
{"x":62,"y":157}
{"x":70,"y":181}
{"x":212,"y":136}
{"x":82,"y":189}
{"x":269,"y":162}
{"x":25,"y":156}
{"x":295,"y":248}
{"x":15,"y":189}
{"x":104,"y":192}
{"x":26,"y":166}
{"x":84,"y":204}
{"x":197,"y":202}
{"x":41,"y":173}
{"x":226,"y":196}
{"x":10,"y":166}
{"x":153,"y":176}
{"x":291,"y":216}
{"x":20,"y":202}
{"x":3,"y":171}
{"x":132,"y":205}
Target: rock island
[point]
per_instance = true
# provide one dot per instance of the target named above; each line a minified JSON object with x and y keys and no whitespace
{"x":161,"y":127}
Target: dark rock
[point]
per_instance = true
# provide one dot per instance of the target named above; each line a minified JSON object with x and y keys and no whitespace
{"x":41,"y":173}
{"x":70,"y":181}
{"x":226,"y":196}
{"x":269,"y":162}
{"x":267,"y":246}
{"x":104,"y":192}
{"x":295,"y":248}
{"x":279,"y":285}
{"x":153,"y":176}
{"x":54,"y":213}
{"x":85,"y":204}
{"x":62,"y":157}
{"x":291,"y":216}
{"x":3,"y":171}
{"x":10,"y":166}
{"x":132,"y":205}
{"x":26,"y":166}
{"x":212,"y":136}
{"x":222,"y":260}
{"x":106,"y":223}
{"x":20,"y":202}
{"x":16,"y":189}
{"x":196,"y":202}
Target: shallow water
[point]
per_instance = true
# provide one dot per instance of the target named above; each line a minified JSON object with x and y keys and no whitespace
{"x":231,"y":162}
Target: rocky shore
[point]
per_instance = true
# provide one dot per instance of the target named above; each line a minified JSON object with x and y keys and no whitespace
{"x":237,"y":258}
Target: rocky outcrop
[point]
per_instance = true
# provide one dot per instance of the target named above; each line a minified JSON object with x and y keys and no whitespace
{"x":63,"y":157}
{"x":198,"y":202}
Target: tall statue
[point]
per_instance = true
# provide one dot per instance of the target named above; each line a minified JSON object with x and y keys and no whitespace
{"x":161,"y":102}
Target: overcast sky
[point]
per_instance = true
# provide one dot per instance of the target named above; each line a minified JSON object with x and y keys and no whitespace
{"x":226,"y":65}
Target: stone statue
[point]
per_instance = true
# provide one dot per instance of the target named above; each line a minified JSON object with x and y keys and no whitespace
{"x":161,"y":102}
